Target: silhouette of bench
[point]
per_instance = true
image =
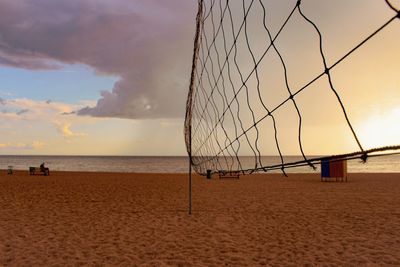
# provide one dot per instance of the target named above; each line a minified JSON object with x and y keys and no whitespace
{"x":228,"y":174}
{"x":39,"y":171}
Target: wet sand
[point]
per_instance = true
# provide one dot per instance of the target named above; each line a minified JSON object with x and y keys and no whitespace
{"x":98,"y":219}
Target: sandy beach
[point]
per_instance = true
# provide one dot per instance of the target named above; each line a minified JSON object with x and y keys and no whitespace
{"x":112,"y":219}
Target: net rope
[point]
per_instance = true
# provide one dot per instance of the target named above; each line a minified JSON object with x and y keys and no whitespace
{"x":214,"y":105}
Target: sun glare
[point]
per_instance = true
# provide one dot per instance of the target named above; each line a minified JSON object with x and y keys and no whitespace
{"x":381,"y":130}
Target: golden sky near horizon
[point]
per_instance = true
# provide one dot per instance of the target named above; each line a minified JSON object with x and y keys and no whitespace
{"x":367,"y":81}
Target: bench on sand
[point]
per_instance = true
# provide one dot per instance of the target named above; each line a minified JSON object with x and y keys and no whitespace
{"x":228,"y":174}
{"x":39,"y":171}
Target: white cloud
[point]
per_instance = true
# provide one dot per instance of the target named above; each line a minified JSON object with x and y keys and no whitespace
{"x":31,"y":110}
{"x":45,"y":113}
{"x":65,"y":129}
{"x":36,"y":145}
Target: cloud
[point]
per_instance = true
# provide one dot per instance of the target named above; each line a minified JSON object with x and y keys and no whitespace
{"x":26,"y":60}
{"x":14,"y":112}
{"x":22,"y":111}
{"x":68,"y":113}
{"x":148,"y":44}
{"x":40,"y":112}
{"x":31,"y":110}
{"x":65,"y":129}
{"x":36,"y":145}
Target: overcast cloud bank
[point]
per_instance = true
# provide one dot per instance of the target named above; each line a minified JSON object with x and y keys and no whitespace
{"x":147,"y":44}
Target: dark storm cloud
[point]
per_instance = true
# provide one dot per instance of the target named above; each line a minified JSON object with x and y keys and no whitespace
{"x":147,"y":44}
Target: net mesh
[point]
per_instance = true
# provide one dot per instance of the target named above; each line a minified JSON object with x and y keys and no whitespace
{"x":242,"y":86}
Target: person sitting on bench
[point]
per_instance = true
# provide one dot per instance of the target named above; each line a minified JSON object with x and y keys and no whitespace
{"x":42,"y":167}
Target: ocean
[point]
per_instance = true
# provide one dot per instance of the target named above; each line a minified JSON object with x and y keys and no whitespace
{"x":179,"y":164}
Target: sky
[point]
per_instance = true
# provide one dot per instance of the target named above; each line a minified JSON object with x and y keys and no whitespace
{"x":101,"y":77}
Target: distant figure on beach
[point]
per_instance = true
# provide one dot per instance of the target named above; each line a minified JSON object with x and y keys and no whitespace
{"x":42,"y":167}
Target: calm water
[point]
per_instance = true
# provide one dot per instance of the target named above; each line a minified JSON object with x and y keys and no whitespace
{"x":169,"y":164}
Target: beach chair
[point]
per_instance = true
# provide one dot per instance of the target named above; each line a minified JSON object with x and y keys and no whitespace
{"x":334,"y":169}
